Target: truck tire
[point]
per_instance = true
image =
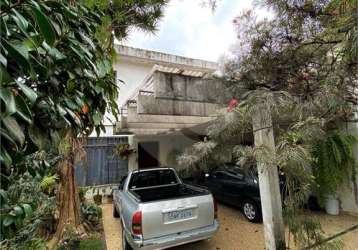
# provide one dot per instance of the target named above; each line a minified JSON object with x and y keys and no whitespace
{"x":115,"y":212}
{"x":125,"y":244}
{"x":251,"y":211}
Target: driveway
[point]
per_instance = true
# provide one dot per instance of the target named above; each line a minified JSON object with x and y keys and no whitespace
{"x":235,"y":232}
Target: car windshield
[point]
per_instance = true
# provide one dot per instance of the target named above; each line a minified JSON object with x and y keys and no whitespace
{"x":152,"y":178}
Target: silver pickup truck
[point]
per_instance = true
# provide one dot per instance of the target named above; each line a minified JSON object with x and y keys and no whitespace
{"x":158,"y":211}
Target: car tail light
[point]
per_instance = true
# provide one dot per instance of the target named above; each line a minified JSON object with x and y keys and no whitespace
{"x":215,"y":209}
{"x":137,"y":223}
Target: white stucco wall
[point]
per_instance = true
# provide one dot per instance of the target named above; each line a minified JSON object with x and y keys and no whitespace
{"x":132,"y":74}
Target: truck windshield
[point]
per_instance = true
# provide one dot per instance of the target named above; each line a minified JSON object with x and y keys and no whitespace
{"x":152,"y":178}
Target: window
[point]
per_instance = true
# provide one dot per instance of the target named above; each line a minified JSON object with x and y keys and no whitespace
{"x":153,"y":178}
{"x":236,"y":174}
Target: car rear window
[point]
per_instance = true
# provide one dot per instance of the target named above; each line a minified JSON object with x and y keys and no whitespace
{"x":153,"y":178}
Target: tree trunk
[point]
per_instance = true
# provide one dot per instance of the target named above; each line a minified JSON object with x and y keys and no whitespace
{"x":269,"y":181}
{"x":68,"y":199}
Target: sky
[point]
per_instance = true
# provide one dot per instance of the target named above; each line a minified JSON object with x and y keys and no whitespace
{"x":190,"y":29}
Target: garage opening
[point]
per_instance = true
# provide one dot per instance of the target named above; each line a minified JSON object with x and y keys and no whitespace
{"x":148,"y":154}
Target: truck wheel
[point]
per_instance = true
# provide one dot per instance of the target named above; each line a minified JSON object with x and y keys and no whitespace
{"x":125,"y":245}
{"x":115,"y":212}
{"x":251,"y":211}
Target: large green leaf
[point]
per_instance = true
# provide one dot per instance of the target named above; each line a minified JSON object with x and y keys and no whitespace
{"x":18,"y":53}
{"x":28,"y":92}
{"x":20,"y":21}
{"x":5,"y":78}
{"x":97,"y":118}
{"x":104,"y":68}
{"x":14,"y":129}
{"x":54,"y":52}
{"x":5,"y":157}
{"x":3,"y":27}
{"x":5,"y":136}
{"x":4,"y":197}
{"x":8,"y":220}
{"x":87,"y":40}
{"x":3,"y":60}
{"x":27,"y":209}
{"x":23,"y":110}
{"x":18,"y":210}
{"x":33,"y":42}
{"x":38,"y":138}
{"x":8,"y":97}
{"x":45,"y":26}
{"x":74,"y":116}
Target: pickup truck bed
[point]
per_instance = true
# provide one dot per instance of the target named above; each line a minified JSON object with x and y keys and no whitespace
{"x":159,"y":211}
{"x":167,"y":192}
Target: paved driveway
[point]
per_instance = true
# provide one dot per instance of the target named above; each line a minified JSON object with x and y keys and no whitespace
{"x":235,"y":232}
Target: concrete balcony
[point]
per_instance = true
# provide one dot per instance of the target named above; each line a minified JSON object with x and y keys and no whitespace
{"x":149,"y":104}
{"x":149,"y":124}
{"x":171,"y":100}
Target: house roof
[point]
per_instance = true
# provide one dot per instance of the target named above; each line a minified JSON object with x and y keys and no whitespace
{"x":154,"y":57}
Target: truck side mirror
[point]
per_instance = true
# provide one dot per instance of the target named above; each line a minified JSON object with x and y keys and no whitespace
{"x":120,"y":186}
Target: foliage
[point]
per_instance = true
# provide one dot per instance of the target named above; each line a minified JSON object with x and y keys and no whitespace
{"x":82,"y":193}
{"x":97,"y":197}
{"x":172,"y":157}
{"x":39,"y":163}
{"x":199,"y":158}
{"x":307,"y":231}
{"x":334,"y":162}
{"x":123,"y":150}
{"x":36,"y":243}
{"x":48,"y":183}
{"x":93,"y":243}
{"x":52,"y":72}
{"x":92,"y":213}
{"x":301,"y":67}
{"x":56,"y":70}
{"x":22,"y":189}
{"x":56,"y":77}
{"x":24,"y":210}
{"x":71,"y":235}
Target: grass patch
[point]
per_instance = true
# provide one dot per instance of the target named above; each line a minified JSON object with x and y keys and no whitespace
{"x":93,"y":244}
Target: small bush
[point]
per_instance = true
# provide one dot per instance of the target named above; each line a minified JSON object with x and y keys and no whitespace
{"x":91,"y":213}
{"x":82,"y":193}
{"x":26,"y":213}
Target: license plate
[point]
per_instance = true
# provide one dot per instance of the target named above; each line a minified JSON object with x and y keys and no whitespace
{"x":179,"y":215}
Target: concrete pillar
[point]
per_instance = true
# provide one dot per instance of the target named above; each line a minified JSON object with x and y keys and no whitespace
{"x":133,"y":158}
{"x":269,"y":182}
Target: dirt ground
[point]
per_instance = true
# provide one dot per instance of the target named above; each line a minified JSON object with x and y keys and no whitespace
{"x":235,"y":232}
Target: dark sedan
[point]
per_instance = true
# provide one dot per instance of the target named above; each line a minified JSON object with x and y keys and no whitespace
{"x":233,"y":185}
